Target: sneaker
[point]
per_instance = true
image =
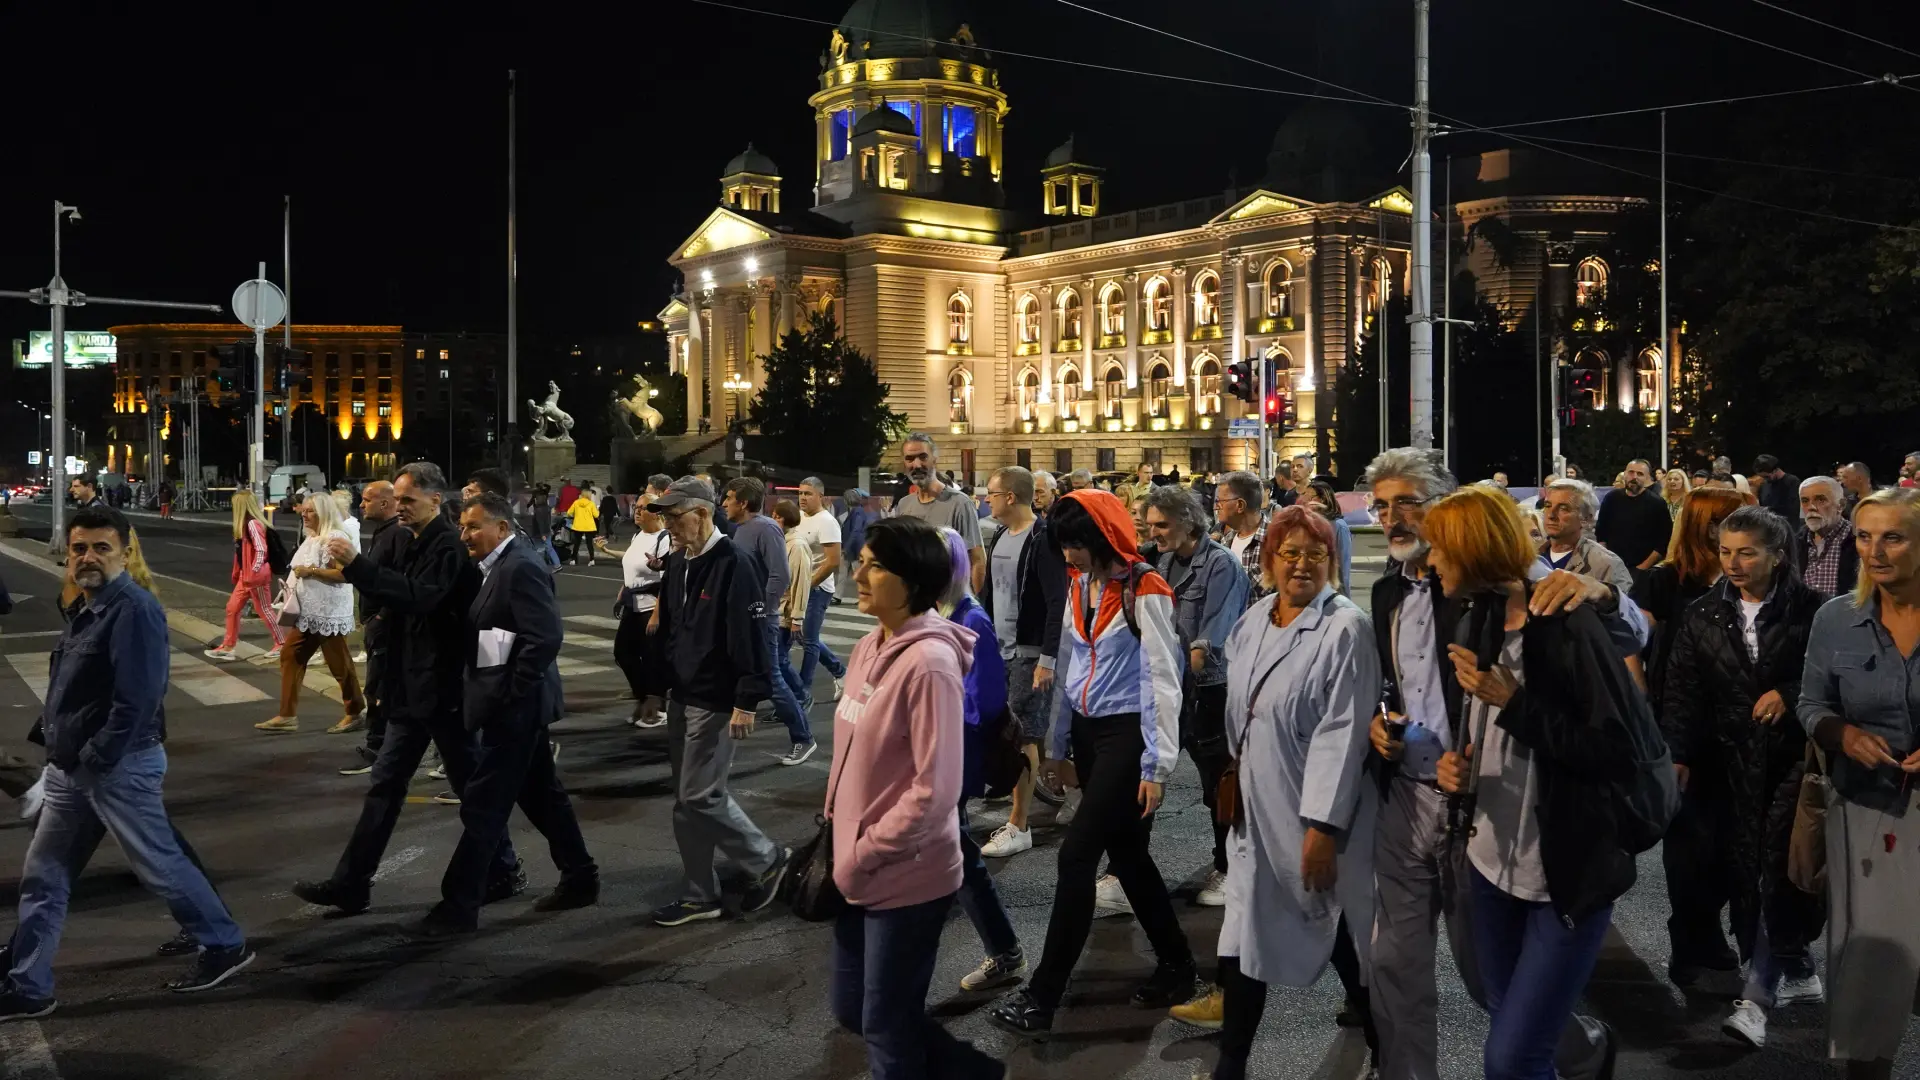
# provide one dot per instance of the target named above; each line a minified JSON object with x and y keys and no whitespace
{"x":360,"y":657}
{"x":358,"y":768}
{"x":1748,"y":1023}
{"x":800,"y":753}
{"x":15,"y":1007}
{"x":1109,"y":896}
{"x":220,"y":655}
{"x":211,"y":968}
{"x":272,"y":654}
{"x":1006,"y":841}
{"x":180,"y":944}
{"x":569,"y":895}
{"x":996,"y":971}
{"x":1807,"y":991}
{"x":447,"y":798}
{"x":682,"y":912}
{"x":32,"y":798}
{"x":1069,"y":806}
{"x":839,"y":686}
{"x":278,"y":724}
{"x":327,"y":894}
{"x":506,"y":887}
{"x":346,"y":724}
{"x":1207,"y":1011}
{"x":761,"y":890}
{"x":438,"y":772}
{"x":650,"y":723}
{"x":1169,"y":985}
{"x":1213,"y":891}
{"x":1021,"y":1013}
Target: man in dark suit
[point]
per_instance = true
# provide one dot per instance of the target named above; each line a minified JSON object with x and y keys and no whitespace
{"x":427,"y":597}
{"x":512,"y":694}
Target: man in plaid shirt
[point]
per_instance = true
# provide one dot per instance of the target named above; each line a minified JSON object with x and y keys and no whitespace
{"x":1239,"y":507}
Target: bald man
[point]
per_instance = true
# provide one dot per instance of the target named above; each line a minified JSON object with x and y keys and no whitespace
{"x":384,"y":543}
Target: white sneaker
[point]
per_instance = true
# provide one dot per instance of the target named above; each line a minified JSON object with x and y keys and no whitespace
{"x":1807,"y":991}
{"x":33,"y":797}
{"x":1748,"y":1023}
{"x":1213,"y":891}
{"x":1069,"y":806}
{"x":219,"y":654}
{"x":438,"y":772}
{"x":648,"y":723}
{"x":1006,"y":841}
{"x":360,"y":657}
{"x":273,"y":653}
{"x":1109,"y":896}
{"x":839,"y":687}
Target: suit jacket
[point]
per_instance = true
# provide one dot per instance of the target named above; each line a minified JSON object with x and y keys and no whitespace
{"x":424,"y":608}
{"x":517,"y":597}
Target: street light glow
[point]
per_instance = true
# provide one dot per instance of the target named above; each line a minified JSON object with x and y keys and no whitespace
{"x":753,"y":265}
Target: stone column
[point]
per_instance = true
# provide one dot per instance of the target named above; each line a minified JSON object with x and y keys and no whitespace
{"x":1136,"y":326}
{"x":1089,"y":331}
{"x":1180,"y":313}
{"x":696,"y":358}
{"x":789,"y":302}
{"x":764,"y":333}
{"x":1047,"y":338}
{"x":1236,"y":306}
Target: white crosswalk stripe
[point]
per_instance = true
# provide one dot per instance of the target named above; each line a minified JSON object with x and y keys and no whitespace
{"x":208,"y":684}
{"x":600,"y":622}
{"x":32,"y":670}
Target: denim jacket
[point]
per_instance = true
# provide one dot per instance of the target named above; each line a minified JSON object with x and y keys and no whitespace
{"x":107,"y":680}
{"x":1855,"y":672}
{"x":1209,"y":596}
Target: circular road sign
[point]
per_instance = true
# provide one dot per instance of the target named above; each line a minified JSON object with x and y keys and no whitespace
{"x":259,"y":304}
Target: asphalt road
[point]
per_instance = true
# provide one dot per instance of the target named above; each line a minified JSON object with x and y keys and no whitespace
{"x":601,"y":992}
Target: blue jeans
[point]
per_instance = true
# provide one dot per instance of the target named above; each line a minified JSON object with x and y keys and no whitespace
{"x":786,"y":702}
{"x":81,"y":807}
{"x":813,"y":650}
{"x":979,"y":898}
{"x":882,"y":964}
{"x":1534,"y":968}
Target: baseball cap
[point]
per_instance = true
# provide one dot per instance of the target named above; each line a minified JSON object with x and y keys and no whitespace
{"x":684,"y":491}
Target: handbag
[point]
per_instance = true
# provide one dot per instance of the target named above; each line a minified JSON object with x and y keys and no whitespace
{"x":288,"y":608}
{"x":1807,"y":846}
{"x":809,"y":887}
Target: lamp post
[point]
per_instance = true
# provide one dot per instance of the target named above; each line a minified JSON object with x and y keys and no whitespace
{"x":736,"y":385}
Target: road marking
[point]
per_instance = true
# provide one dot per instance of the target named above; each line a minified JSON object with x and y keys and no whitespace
{"x":31,"y":673}
{"x":388,"y":867}
{"x":25,"y":1055}
{"x":589,"y":641}
{"x":209,"y":684}
{"x":14,"y":635}
{"x":599,"y":622}
{"x":570,"y":666}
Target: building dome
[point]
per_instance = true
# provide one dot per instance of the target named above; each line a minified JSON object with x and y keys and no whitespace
{"x":899,"y":29}
{"x":885,"y":119}
{"x":1061,"y":155}
{"x":751,"y":161}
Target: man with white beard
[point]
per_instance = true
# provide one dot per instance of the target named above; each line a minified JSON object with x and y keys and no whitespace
{"x":1829,"y":563}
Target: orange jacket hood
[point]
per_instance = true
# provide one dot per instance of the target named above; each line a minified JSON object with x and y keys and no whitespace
{"x":1116,"y":524}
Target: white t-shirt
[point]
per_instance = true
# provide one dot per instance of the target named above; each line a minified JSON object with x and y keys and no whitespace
{"x":1238,"y":544}
{"x":819,"y":530}
{"x":1750,"y":625}
{"x":634,"y":569}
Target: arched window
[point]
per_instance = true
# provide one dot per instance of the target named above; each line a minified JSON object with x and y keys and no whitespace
{"x":1068,"y":326}
{"x":1029,"y":319}
{"x":1590,"y":379}
{"x":960,"y":397}
{"x":827,"y":309}
{"x":1646,"y":375}
{"x":1113,"y":311}
{"x":1029,"y":392}
{"x":1159,"y":381}
{"x":959,"y":319}
{"x":1206,"y":299}
{"x":1383,"y":280}
{"x":1068,"y":380}
{"x":1113,"y":389}
{"x":1206,"y":384}
{"x":1279,"y":289}
{"x":1157,"y":298}
{"x":1590,"y":282}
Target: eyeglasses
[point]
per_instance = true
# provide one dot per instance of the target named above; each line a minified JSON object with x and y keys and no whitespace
{"x":996,"y":494}
{"x":1405,"y":504}
{"x":1295,"y":555}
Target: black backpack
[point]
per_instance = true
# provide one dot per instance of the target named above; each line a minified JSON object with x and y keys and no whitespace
{"x":277,"y":555}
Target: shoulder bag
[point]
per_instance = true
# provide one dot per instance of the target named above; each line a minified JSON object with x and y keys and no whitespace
{"x":809,"y":886}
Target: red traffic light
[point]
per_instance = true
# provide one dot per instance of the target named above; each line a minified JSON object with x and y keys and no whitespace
{"x":1273,"y":406}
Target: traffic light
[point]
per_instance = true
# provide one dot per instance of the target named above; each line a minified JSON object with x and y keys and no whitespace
{"x":1240,"y":381}
{"x":291,"y":368}
{"x":1579,"y":390}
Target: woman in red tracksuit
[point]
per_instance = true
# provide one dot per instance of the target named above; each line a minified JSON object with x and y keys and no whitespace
{"x":252,"y":576}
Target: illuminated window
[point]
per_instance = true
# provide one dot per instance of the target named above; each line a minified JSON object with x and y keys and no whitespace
{"x":1590,"y":370}
{"x":1159,"y":380}
{"x":385,"y":409}
{"x":962,"y":121}
{"x":1067,"y":328}
{"x":839,"y":132}
{"x":443,"y":355}
{"x":959,"y":397}
{"x":359,"y":408}
{"x":1647,"y":380}
{"x":419,"y":354}
{"x":1206,"y":299}
{"x":1206,"y":384}
{"x":1069,"y":380}
{"x":1029,"y":320}
{"x":1113,"y":311}
{"x":959,"y":321}
{"x":1159,"y":304}
{"x":909,"y":109}
{"x":445,"y":374}
{"x":1279,"y":289}
{"x":1113,"y":389}
{"x":1029,"y":392}
{"x":1590,"y":282}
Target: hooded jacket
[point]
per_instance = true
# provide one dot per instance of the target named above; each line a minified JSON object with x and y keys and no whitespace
{"x":1109,"y":670}
{"x":898,"y":746}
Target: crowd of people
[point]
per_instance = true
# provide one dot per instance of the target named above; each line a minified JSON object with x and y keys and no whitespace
{"x":1532,"y":696}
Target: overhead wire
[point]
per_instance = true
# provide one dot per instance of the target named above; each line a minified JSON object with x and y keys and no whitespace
{"x":1766,"y":44}
{"x":1838,"y":29}
{"x":1690,"y":104}
{"x":1878,"y":177}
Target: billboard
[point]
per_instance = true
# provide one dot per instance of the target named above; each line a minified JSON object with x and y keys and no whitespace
{"x":85,"y":348}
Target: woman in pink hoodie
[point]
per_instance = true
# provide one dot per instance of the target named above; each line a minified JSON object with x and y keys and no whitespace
{"x":898,"y":752}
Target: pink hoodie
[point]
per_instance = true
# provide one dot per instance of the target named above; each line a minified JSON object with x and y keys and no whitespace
{"x":897,"y":755}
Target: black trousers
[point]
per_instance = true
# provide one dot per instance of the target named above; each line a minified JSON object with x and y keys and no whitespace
{"x":580,"y":538}
{"x":1106,"y":754}
{"x":1698,"y":869}
{"x":1207,"y":742}
{"x":636,"y":655}
{"x":375,"y":689}
{"x":1244,"y":1001}
{"x":405,"y":744}
{"x":513,"y":766}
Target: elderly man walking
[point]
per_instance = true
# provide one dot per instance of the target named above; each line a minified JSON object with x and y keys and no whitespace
{"x":1823,"y":545}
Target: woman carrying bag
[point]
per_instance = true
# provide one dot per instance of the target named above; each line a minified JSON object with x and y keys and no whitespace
{"x":891,"y":799}
{"x":317,"y":611}
{"x":252,"y":577}
{"x":642,"y":562}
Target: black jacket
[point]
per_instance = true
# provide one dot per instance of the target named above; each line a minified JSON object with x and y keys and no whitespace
{"x":426,"y":600}
{"x":713,"y":614}
{"x":1573,"y":713}
{"x":1040,"y":579}
{"x":1389,"y":591}
{"x":1849,"y":574}
{"x":386,"y":543}
{"x":1711,"y":688}
{"x":516,"y":597}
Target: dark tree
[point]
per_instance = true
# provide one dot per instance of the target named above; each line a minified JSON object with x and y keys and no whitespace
{"x":823,"y":404}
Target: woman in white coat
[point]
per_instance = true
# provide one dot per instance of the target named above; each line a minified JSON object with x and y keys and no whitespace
{"x":1303,"y":680}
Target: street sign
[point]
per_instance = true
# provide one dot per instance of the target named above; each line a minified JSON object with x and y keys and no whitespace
{"x":33,"y":457}
{"x":259,"y":304}
{"x":1245,"y":427}
{"x":739,"y":448}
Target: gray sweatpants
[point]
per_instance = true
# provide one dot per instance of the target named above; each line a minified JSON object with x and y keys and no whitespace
{"x":706,"y":820}
{"x":1410,"y":896}
{"x":1873,"y":940}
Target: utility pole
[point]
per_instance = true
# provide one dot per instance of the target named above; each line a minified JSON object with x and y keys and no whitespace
{"x":512,"y":434}
{"x":1446,"y":303}
{"x":1420,"y":355}
{"x":59,"y":297}
{"x":1382,"y":292}
{"x":286,"y":337}
{"x":1553,"y":369}
{"x":1666,"y":342}
{"x":256,"y":478}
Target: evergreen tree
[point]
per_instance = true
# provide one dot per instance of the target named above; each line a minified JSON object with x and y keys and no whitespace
{"x":823,"y":402}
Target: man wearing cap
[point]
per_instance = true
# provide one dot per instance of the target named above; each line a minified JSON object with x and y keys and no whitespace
{"x":712,"y":621}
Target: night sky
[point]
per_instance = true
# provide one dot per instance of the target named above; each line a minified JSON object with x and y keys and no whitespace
{"x":177,"y":135}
